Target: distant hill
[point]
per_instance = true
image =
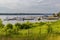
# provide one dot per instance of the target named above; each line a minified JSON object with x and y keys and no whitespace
{"x":25,"y":13}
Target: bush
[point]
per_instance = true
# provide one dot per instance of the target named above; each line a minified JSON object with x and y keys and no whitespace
{"x":41,"y":23}
{"x":9,"y":26}
{"x":36,"y":28}
{"x":1,"y":24}
{"x":18,"y":25}
{"x":26,"y":25}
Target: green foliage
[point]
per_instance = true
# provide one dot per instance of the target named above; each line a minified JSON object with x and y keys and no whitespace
{"x":58,"y":14}
{"x":49,"y":27}
{"x":42,"y":23}
{"x":37,"y":29}
{"x":9,"y":26}
{"x":56,"y":27}
{"x":54,"y":14}
{"x":18,"y":25}
{"x":26,"y":25}
{"x":1,"y":24}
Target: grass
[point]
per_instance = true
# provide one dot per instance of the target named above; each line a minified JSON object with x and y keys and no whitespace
{"x":31,"y":31}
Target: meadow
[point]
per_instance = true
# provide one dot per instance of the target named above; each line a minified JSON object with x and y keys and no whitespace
{"x":30,"y":31}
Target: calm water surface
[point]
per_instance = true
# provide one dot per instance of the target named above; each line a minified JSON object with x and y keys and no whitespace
{"x":15,"y":21}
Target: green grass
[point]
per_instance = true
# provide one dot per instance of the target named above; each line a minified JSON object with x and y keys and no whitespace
{"x":31,"y":31}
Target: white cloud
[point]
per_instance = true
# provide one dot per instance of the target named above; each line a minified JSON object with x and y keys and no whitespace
{"x":29,"y":5}
{"x":14,"y":4}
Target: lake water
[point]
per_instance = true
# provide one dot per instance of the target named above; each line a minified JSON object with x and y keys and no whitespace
{"x":15,"y":21}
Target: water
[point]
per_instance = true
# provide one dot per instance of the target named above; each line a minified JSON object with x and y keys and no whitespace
{"x":15,"y":21}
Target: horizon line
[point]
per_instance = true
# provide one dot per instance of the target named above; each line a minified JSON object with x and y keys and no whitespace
{"x":25,"y":13}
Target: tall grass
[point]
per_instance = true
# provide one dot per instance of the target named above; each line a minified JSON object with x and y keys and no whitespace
{"x":30,"y":31}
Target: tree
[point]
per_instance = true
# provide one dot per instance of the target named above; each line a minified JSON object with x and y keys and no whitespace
{"x":58,"y":14}
{"x":55,"y":15}
{"x":39,"y":19}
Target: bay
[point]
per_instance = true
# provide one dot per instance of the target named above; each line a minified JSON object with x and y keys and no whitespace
{"x":22,"y":16}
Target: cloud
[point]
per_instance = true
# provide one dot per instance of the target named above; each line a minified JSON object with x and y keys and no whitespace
{"x":18,"y":3}
{"x":18,"y":6}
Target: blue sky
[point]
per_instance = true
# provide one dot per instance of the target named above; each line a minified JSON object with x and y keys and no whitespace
{"x":29,"y":6}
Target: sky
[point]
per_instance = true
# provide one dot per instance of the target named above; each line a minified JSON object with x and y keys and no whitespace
{"x":29,"y":6}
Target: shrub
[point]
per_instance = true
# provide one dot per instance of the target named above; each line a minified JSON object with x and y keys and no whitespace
{"x":41,"y":23}
{"x":18,"y":25}
{"x":1,"y":24}
{"x":9,"y":26}
{"x":26,"y":25}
